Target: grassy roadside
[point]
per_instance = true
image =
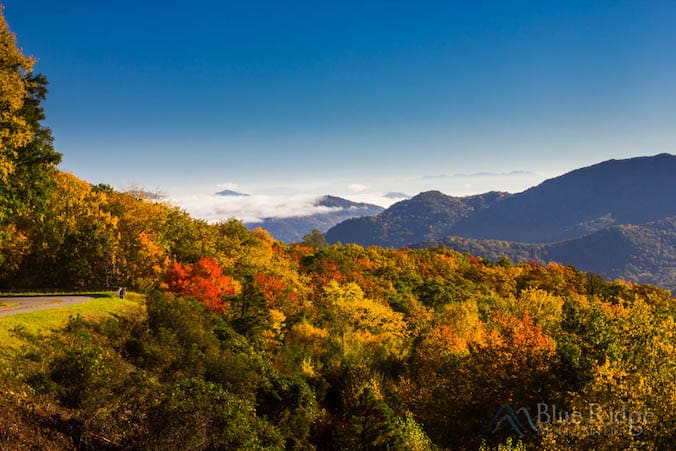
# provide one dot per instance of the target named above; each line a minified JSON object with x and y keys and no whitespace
{"x":46,"y":321}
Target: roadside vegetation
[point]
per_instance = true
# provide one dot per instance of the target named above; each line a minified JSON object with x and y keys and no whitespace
{"x":45,"y":322}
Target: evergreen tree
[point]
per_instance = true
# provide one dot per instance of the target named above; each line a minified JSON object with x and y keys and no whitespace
{"x":315,"y":239}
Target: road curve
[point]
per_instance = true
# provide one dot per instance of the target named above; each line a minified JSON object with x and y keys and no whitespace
{"x":27,"y":304}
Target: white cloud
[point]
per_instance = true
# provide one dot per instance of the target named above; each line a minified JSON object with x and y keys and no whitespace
{"x":372,"y":198}
{"x":357,"y":187}
{"x":283,"y":200}
{"x":228,"y":185}
{"x":252,"y":208}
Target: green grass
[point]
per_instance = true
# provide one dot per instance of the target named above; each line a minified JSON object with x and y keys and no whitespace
{"x":7,"y":304}
{"x":47,"y":321}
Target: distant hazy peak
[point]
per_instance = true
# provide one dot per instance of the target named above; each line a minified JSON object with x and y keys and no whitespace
{"x":339,"y":202}
{"x":229,"y":192}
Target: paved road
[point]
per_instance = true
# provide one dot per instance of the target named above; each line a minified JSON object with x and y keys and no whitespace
{"x":27,"y":304}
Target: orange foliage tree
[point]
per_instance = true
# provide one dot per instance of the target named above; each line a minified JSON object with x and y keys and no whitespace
{"x":203,"y":280}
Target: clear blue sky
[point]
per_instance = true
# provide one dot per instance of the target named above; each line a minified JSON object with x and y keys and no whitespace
{"x":306,"y":96}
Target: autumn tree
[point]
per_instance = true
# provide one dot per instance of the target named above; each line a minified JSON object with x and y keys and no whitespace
{"x":78,"y":237}
{"x":27,"y":156}
{"x":203,"y":280}
{"x":361,"y":322}
{"x":15,"y":130}
{"x":142,"y":251}
{"x":70,"y":245}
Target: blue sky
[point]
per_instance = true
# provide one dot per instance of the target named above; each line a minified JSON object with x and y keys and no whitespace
{"x":309,"y":97}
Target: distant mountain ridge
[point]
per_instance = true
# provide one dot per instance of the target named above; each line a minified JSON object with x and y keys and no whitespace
{"x":632,"y":191}
{"x":428,"y":215}
{"x":293,"y":229}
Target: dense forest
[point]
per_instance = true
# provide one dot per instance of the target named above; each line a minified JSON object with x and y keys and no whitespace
{"x":645,"y":253}
{"x":243,"y":342}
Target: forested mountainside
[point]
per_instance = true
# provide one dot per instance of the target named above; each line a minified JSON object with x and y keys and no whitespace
{"x":640,"y":253}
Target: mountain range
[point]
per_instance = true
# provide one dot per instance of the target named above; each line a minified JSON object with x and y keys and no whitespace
{"x":615,"y":218}
{"x":631,"y":191}
{"x":293,"y":229}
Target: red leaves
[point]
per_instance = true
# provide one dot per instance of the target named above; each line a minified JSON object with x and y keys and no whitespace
{"x":278,"y":294}
{"x":524,"y":333}
{"x":271,"y":286}
{"x":519,"y":344}
{"x":204,"y":280}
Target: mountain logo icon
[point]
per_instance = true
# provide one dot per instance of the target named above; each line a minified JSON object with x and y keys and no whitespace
{"x":520,"y":421}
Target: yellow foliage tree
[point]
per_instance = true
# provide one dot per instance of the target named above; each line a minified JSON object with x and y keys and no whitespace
{"x":142,"y":255}
{"x":362,"y":322}
{"x":78,"y":235}
{"x":15,"y":132}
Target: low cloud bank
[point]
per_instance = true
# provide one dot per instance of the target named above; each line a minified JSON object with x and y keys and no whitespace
{"x":290,"y":201}
{"x":254,"y":208}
